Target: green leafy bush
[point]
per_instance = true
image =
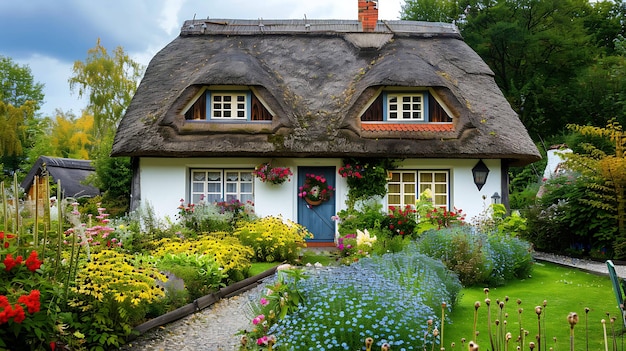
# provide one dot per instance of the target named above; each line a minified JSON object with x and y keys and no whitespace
{"x":273,"y":239}
{"x":368,"y":215}
{"x":562,"y":222}
{"x":201,"y":273}
{"x":478,"y":258}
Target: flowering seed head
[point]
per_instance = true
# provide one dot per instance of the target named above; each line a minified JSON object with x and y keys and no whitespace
{"x":472,"y":346}
{"x":572,"y":319}
{"x":369,"y":342}
{"x":436,"y":332}
{"x":538,"y":310}
{"x":531,"y":345}
{"x":476,"y":305}
{"x":487,"y":302}
{"x":519,"y":302}
{"x":486,"y":290}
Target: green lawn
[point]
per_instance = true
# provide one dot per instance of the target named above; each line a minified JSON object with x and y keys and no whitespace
{"x":564,"y":289}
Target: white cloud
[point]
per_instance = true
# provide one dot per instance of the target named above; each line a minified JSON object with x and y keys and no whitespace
{"x":54,"y":74}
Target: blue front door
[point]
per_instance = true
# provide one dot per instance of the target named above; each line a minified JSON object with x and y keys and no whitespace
{"x":318,"y":219}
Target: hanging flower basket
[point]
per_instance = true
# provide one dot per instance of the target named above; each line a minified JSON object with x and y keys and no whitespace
{"x":312,"y":202}
{"x":274,"y":175}
{"x":315,"y":189}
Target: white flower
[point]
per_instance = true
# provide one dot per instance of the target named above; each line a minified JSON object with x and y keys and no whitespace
{"x":364,"y":238}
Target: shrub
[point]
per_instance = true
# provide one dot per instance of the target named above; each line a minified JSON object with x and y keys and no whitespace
{"x":226,"y":250}
{"x":477,"y":257}
{"x":214,"y":217}
{"x":511,"y":258}
{"x":201,"y":273}
{"x":563,"y":222}
{"x":401,"y":221}
{"x":272,"y":239}
{"x":369,"y":215}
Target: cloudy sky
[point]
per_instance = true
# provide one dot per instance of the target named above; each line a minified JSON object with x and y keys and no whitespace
{"x":49,"y":36}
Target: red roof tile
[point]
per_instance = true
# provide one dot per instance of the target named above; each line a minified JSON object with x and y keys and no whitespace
{"x":407,"y":127}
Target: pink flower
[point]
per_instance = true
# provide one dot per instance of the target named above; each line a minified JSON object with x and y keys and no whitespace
{"x":264,"y":301}
{"x":258,"y":319}
{"x":262,"y":340}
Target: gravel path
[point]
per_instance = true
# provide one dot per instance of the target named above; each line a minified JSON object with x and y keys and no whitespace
{"x":215,"y":328}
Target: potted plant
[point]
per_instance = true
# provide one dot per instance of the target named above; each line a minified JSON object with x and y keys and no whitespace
{"x":315,"y":189}
{"x":274,"y":175}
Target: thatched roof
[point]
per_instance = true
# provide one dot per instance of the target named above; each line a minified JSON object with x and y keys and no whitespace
{"x":71,"y":172}
{"x":317,"y":78}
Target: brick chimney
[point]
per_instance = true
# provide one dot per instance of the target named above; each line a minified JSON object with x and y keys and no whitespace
{"x":368,"y":14}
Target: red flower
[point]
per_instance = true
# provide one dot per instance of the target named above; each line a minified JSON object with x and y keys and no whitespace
{"x":32,"y":262}
{"x":31,"y":301}
{"x":18,"y":314}
{"x":9,"y":262}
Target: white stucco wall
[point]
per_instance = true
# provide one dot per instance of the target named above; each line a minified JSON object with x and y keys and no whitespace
{"x":164,"y":182}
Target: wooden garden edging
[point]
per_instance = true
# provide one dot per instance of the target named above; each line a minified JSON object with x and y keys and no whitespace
{"x":204,"y":302}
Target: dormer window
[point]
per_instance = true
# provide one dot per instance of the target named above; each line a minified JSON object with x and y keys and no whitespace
{"x":227,"y":105}
{"x":406,"y":106}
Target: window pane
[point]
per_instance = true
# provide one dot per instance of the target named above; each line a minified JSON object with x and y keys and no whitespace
{"x":394,"y":188}
{"x":217,"y":98}
{"x":198,"y":176}
{"x":214,"y":187}
{"x":409,"y":200}
{"x":246,"y":187}
{"x":247,"y":198}
{"x":441,"y":200}
{"x":408,"y":177}
{"x":441,"y":177}
{"x":409,"y":188}
{"x":213,"y":198}
{"x":198,"y":187}
{"x":196,"y":198}
{"x":393,"y":200}
{"x":228,"y":98}
{"x":246,"y":176}
{"x":215,"y":176}
{"x":426,"y":177}
{"x":232,"y":176}
{"x":441,"y":188}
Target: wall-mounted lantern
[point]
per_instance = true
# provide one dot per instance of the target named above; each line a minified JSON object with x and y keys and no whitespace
{"x":480,"y":173}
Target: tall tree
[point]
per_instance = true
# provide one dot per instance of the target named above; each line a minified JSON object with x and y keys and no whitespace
{"x":535,"y":48}
{"x":17,"y":85}
{"x":20,"y":98}
{"x":110,"y":82}
{"x":65,"y":136}
{"x":431,"y":10}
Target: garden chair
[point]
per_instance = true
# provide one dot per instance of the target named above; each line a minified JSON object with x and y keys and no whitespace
{"x":618,"y":288}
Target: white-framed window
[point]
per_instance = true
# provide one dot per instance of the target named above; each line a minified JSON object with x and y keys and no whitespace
{"x":211,"y":185}
{"x":405,"y":186}
{"x":405,"y":107}
{"x":230,"y":105}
